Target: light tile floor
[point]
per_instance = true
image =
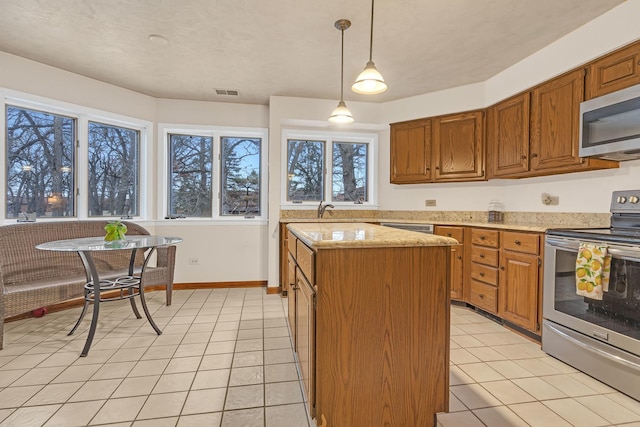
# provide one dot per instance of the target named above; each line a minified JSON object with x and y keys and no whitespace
{"x":500,"y":379}
{"x":225,"y":360}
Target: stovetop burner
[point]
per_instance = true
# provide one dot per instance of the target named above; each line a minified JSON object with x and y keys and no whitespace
{"x":625,"y":222}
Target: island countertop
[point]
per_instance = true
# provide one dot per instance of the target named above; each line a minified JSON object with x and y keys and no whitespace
{"x":336,"y":235}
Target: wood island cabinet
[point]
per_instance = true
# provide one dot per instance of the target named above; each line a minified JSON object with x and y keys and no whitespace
{"x":613,"y":72}
{"x":372,"y":328}
{"x":457,"y":258}
{"x":411,"y":152}
{"x":483,"y":292}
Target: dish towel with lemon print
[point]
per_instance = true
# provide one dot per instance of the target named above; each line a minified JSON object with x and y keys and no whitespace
{"x":593,"y":266}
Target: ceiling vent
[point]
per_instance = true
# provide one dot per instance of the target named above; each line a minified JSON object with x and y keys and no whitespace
{"x":228,"y":92}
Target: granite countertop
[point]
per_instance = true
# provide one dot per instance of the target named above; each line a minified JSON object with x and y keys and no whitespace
{"x":507,"y":225}
{"x":337,"y":235}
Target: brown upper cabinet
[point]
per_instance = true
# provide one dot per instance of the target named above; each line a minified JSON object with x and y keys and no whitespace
{"x":613,"y":72}
{"x":411,"y":152}
{"x":508,"y":136}
{"x":458,"y":147}
{"x":441,"y":149}
{"x":537,"y":133}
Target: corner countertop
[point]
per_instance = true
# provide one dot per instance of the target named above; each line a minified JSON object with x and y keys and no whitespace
{"x":339,"y":235}
{"x":539,"y":227}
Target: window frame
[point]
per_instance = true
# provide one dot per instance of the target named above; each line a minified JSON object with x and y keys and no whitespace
{"x":329,"y":138}
{"x":217,"y":133}
{"x":82,"y":116}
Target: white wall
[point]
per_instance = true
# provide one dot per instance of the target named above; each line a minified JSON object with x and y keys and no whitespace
{"x":226,"y":252}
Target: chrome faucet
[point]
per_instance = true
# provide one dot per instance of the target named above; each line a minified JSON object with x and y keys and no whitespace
{"x":322,"y":208}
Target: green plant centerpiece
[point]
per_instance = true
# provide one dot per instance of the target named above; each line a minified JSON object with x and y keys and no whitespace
{"x":116,"y":231}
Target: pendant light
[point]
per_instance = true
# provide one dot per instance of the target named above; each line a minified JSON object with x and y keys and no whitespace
{"x":341,"y":114}
{"x":370,"y":81}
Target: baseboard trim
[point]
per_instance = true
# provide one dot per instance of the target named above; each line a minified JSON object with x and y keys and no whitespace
{"x":273,"y":291}
{"x":78,"y":302}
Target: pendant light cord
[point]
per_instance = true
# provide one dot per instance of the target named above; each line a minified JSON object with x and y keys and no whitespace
{"x":371,"y":35}
{"x":342,"y":67}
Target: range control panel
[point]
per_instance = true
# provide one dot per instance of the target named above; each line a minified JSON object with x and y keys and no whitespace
{"x":625,"y":201}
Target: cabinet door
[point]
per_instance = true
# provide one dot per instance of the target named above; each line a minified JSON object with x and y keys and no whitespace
{"x":457,"y":259}
{"x":508,"y":136}
{"x":411,"y":152}
{"x":616,"y":71}
{"x":306,"y":337}
{"x":555,"y":117}
{"x":518,"y":290}
{"x":291,"y":298}
{"x":458,"y":147}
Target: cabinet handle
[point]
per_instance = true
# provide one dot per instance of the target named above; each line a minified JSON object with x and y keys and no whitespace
{"x":481,"y":274}
{"x":459,"y":256}
{"x":448,"y":234}
{"x":481,"y":296}
{"x":482,"y":237}
{"x":437,"y":167}
{"x":517,"y":242}
{"x":524,"y":157}
{"x":482,"y":256}
{"x":502,"y":268}
{"x":534,"y":155}
{"x":427,"y":169}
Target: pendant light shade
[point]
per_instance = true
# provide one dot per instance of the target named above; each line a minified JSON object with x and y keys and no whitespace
{"x":341,"y":114}
{"x":370,"y":81}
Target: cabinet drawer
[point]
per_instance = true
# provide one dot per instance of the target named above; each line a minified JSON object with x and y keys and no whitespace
{"x":306,"y":261}
{"x":291,"y":243}
{"x":455,"y":232}
{"x":486,"y":256}
{"x":484,"y":237}
{"x":484,"y":296}
{"x":484,"y":274}
{"x":521,"y":242}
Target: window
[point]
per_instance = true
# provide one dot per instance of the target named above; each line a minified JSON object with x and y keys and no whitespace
{"x":191,"y":190}
{"x":63,"y":160}
{"x":215,"y":173}
{"x":332,"y":167}
{"x":113,"y":170}
{"x":240,"y":176}
{"x":40,"y":161}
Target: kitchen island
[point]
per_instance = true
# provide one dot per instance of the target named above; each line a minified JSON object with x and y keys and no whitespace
{"x":369,"y":318}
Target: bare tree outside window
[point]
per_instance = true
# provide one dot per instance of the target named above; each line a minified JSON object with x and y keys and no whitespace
{"x":240,"y":176}
{"x":349,"y":172}
{"x":190,"y":175}
{"x":40,"y":161}
{"x":113,"y":170}
{"x":305,"y":170}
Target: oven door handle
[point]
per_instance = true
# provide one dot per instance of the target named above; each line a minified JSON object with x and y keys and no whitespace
{"x":594,"y":349}
{"x":622,"y":251}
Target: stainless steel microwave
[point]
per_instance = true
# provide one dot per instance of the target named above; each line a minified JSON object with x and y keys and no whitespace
{"x":610,"y":125}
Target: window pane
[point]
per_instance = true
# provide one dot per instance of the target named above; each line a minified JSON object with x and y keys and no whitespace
{"x":305,"y":166}
{"x":113,"y":170}
{"x":240,"y":176}
{"x":349,"y":172}
{"x":40,"y":162}
{"x":190,"y":175}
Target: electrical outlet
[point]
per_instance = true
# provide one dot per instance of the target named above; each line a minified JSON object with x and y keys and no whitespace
{"x":194,"y":261}
{"x":430,"y":202}
{"x":554,"y":200}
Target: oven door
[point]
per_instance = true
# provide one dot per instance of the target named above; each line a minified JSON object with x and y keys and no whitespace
{"x":615,"y":319}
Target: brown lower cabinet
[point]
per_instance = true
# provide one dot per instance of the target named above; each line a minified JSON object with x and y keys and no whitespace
{"x":505,"y":275}
{"x":371,"y":331}
{"x":457,"y":258}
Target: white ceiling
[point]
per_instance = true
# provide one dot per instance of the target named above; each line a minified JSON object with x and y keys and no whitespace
{"x":285,"y":47}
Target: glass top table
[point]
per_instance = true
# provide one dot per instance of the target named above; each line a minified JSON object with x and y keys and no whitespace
{"x":98,"y":290}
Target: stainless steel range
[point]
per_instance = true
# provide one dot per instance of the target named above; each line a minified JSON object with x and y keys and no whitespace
{"x":600,"y":337}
